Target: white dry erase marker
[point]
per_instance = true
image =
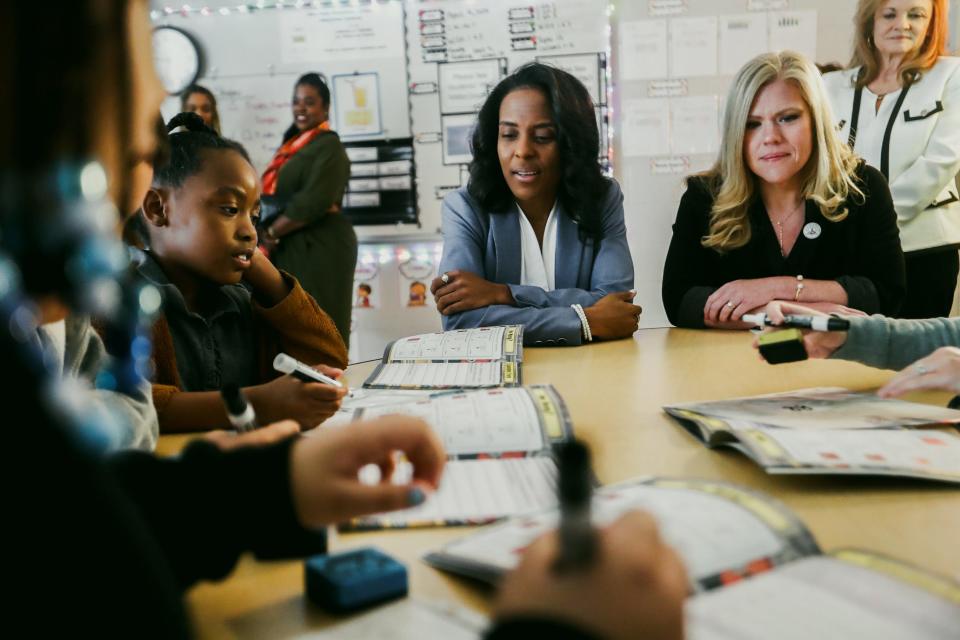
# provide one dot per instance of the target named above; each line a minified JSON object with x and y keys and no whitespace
{"x":814,"y":323}
{"x":285,"y":364}
{"x":239,"y":411}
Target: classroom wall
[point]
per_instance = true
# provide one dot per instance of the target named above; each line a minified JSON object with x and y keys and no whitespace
{"x":673,"y":63}
{"x":670,"y":63}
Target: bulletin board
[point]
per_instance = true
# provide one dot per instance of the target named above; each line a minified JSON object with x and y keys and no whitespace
{"x":459,"y":50}
{"x":673,"y":62}
{"x":253,"y":56}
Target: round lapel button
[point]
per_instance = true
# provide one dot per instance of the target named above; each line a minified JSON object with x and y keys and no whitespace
{"x":812,"y":231}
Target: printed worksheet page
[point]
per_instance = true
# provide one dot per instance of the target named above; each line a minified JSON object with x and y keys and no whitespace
{"x":489,"y":421}
{"x":924,"y":452}
{"x":710,"y":532}
{"x":483,"y":343}
{"x":825,"y":408}
{"x":476,"y":491}
{"x":826,"y":599}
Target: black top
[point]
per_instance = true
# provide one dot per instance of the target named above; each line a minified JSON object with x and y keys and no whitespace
{"x":861,"y":252}
{"x":106,"y":546}
{"x":209,"y":345}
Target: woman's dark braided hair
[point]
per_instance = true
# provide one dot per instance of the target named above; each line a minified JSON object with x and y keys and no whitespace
{"x":180,"y":154}
{"x":188,"y":138}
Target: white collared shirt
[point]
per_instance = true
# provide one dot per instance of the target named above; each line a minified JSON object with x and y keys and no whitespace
{"x":55,"y":334}
{"x":537,"y":265}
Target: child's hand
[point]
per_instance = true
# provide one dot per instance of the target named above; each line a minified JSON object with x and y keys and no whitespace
{"x":323,"y":469}
{"x":264,"y":436}
{"x":269,"y":287}
{"x":287,"y":398}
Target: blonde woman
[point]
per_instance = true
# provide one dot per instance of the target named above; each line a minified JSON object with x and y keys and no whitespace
{"x":786,"y":213}
{"x":898,"y":106}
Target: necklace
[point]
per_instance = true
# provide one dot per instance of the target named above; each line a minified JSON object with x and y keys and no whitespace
{"x":780,"y":224}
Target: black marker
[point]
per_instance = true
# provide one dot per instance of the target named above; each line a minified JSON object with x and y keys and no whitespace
{"x":814,"y":323}
{"x":239,"y":411}
{"x":577,"y":538}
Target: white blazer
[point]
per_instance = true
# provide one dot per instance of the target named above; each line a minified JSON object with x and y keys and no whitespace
{"x":914,"y":140}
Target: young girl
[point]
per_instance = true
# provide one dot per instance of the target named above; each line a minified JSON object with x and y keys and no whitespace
{"x":200,"y":217}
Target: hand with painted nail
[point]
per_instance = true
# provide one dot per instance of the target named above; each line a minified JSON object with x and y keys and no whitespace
{"x":324,"y":469}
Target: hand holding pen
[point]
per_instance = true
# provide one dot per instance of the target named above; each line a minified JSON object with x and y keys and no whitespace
{"x":575,"y":492}
{"x":308,"y":401}
{"x":818,"y":343}
{"x":619,"y":582}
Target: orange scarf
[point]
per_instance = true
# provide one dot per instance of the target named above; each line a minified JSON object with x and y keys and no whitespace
{"x":287,"y":151}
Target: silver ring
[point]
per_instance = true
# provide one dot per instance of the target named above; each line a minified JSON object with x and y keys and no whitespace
{"x":922,"y":369}
{"x":445,"y":278}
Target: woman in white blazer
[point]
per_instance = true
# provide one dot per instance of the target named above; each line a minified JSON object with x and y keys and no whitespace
{"x":898,"y":105}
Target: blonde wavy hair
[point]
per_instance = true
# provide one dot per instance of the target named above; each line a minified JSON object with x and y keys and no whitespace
{"x":865,"y":54}
{"x":828,"y":177}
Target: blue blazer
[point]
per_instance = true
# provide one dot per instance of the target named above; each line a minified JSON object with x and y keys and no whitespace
{"x":488,"y":244}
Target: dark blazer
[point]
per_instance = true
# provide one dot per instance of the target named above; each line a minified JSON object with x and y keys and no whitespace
{"x":861,"y":252}
{"x":488,"y":244}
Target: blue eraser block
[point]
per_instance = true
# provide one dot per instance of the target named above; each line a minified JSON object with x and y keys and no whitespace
{"x":354,"y":579}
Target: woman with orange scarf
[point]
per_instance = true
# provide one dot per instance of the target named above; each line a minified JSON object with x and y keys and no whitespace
{"x":307,"y":178}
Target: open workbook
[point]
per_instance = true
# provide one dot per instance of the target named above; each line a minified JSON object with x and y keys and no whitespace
{"x":500,"y":447}
{"x":464,"y":359}
{"x":755,"y":569}
{"x":830,"y":431}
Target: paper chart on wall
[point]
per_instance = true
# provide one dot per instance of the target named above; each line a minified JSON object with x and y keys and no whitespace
{"x":457,"y":131}
{"x":742,"y":37}
{"x":694,"y":124}
{"x":585,"y":67}
{"x":464,"y":85}
{"x":645,"y":127}
{"x":643,"y":49}
{"x":334,"y":34}
{"x":794,"y":30}
{"x":693,"y":47}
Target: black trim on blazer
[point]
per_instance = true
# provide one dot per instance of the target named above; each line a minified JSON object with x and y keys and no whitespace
{"x":942,"y":203}
{"x":923,"y":114}
{"x":854,"y":117}
{"x":885,"y":148}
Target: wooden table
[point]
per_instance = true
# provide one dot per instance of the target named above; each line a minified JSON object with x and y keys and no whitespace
{"x":615,"y":392}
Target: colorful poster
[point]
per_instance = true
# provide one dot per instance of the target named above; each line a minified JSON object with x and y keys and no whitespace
{"x":414,"y":280}
{"x":356,"y":102}
{"x":366,"y":285}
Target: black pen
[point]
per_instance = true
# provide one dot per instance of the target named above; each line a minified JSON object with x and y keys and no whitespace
{"x":814,"y":323}
{"x":239,"y":411}
{"x":578,"y":541}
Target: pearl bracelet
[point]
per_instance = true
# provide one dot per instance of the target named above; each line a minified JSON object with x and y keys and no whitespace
{"x":584,"y":325}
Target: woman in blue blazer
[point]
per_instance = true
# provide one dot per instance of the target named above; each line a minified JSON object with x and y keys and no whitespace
{"x":537,"y":236}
